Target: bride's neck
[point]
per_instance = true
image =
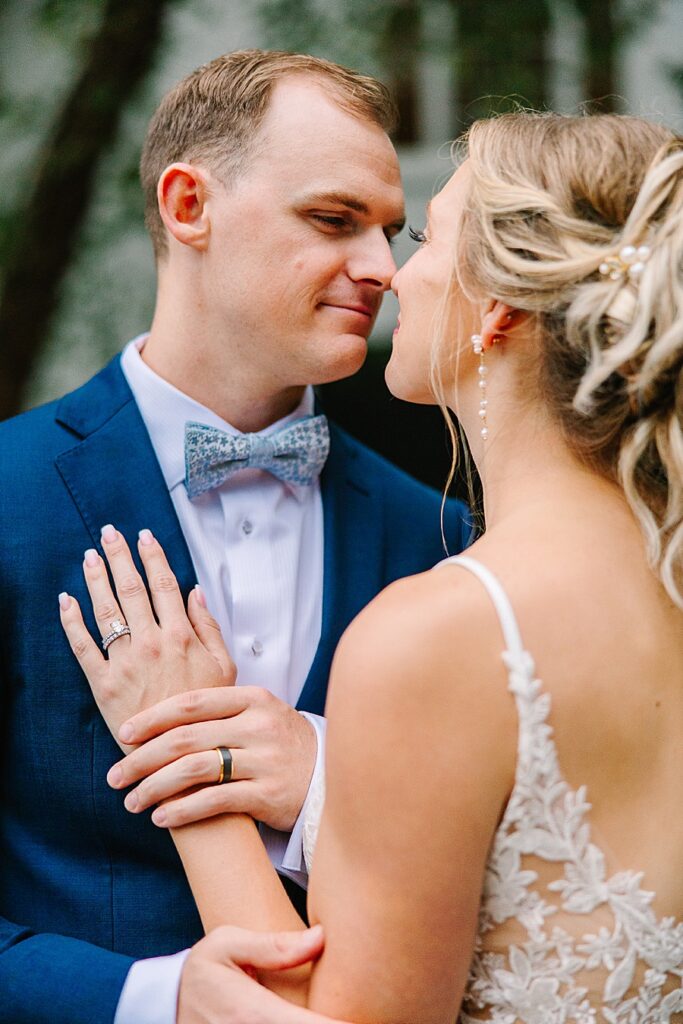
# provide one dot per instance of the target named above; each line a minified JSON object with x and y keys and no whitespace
{"x":527,"y":470}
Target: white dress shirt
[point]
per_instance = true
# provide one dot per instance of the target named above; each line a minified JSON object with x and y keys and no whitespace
{"x":256,"y":543}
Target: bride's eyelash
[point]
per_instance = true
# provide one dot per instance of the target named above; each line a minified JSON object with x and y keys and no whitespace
{"x":417,"y":236}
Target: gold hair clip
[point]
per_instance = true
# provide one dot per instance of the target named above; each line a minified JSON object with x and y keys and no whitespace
{"x":629,"y":263}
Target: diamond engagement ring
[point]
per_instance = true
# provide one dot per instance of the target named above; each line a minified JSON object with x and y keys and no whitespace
{"x":117,"y":629}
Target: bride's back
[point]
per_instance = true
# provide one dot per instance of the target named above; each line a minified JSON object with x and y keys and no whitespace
{"x":583,"y":903}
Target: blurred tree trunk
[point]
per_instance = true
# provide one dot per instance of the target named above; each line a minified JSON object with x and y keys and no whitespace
{"x":602,"y":35}
{"x":607,"y":25}
{"x":47,"y":227}
{"x":399,"y":52}
{"x":502,"y":54}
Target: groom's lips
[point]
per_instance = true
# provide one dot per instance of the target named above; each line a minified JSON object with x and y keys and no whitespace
{"x":352,"y":307}
{"x":354,"y":317}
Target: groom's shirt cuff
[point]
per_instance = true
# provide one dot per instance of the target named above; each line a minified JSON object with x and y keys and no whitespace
{"x":150,"y":992}
{"x":286,"y":849}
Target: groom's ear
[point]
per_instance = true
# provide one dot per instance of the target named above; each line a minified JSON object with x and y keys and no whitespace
{"x":181,"y":193}
{"x":499,"y":323}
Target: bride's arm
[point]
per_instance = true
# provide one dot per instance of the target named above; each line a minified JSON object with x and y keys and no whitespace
{"x":231,"y":876}
{"x":421,"y":755}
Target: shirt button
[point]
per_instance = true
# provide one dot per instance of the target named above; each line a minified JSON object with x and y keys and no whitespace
{"x":247,"y":526}
{"x":256,"y":648}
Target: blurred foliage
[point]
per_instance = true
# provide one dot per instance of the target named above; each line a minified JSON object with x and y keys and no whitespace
{"x":494,"y":75}
{"x":627,"y":15}
{"x":390,"y":34}
{"x":676,"y":75}
{"x":42,"y":231}
{"x":496,"y":49}
{"x":354,"y":30}
{"x":68,"y":18}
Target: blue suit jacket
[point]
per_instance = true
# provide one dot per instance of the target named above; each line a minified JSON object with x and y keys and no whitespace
{"x":85,"y":887}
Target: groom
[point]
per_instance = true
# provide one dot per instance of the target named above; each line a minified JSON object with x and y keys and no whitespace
{"x":273,"y":194}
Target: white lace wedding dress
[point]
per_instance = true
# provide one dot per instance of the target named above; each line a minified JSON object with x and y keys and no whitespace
{"x":559,"y":941}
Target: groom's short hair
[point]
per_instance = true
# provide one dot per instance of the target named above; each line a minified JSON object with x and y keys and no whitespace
{"x":214,"y":114}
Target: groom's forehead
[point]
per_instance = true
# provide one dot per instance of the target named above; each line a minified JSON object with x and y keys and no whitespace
{"x":305,"y":119}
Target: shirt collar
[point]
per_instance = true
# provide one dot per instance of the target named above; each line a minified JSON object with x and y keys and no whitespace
{"x":165,"y":410}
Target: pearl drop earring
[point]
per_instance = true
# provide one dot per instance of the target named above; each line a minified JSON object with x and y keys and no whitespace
{"x":478,"y":350}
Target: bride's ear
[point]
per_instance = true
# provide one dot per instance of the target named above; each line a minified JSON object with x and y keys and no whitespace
{"x":499,"y":322}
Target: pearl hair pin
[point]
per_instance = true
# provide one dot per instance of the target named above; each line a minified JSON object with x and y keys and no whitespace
{"x":478,"y":350}
{"x":630,"y":263}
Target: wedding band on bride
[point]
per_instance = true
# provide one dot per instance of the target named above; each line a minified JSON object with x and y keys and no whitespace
{"x":118,"y":629}
{"x":225,"y":758}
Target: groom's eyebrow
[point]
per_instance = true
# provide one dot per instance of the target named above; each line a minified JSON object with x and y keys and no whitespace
{"x":343,"y":199}
{"x":338,"y":199}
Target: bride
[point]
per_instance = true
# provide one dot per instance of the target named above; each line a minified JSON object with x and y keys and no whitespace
{"x":501,"y":838}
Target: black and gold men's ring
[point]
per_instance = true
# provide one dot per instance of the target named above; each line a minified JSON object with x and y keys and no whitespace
{"x":225,"y":758}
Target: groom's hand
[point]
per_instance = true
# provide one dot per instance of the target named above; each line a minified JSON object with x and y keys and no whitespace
{"x":163,"y":649}
{"x":273,"y":754}
{"x":217,"y":983}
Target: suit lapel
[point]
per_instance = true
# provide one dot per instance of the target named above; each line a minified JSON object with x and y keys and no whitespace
{"x":113,"y":475}
{"x":353,"y":556}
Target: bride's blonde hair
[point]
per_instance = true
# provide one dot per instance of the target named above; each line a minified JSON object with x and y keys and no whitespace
{"x":551,"y":199}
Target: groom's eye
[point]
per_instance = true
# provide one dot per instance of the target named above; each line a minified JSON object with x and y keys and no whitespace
{"x":331,"y":220}
{"x":417,"y":236}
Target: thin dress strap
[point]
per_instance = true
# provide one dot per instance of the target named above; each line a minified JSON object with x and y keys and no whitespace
{"x":501,"y":602}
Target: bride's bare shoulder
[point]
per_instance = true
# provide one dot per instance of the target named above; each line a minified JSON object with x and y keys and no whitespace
{"x":427,"y":611}
{"x":428,"y":641}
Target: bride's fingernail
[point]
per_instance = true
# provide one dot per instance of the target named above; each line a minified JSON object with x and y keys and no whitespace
{"x":146,"y":537}
{"x":131,"y":802}
{"x":108,"y":533}
{"x":91,"y":558}
{"x":126,"y":733}
{"x":199,"y":594}
{"x":64,"y":601}
{"x":114,"y":776}
{"x":159,"y":817}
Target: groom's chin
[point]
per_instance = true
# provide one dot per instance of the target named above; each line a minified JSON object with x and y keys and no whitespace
{"x":344,"y":357}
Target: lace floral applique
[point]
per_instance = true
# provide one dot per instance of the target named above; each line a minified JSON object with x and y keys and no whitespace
{"x":615,"y":974}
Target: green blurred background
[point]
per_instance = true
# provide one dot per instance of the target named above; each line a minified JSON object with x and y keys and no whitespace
{"x":80,"y":78}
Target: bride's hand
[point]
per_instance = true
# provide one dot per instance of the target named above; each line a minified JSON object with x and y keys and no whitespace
{"x":178,"y":653}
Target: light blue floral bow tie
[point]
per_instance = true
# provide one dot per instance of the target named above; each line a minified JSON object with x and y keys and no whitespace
{"x":296,"y":453}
